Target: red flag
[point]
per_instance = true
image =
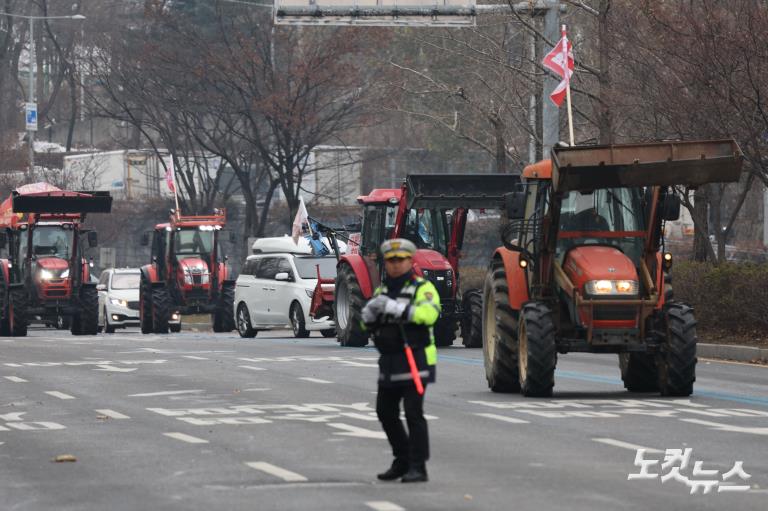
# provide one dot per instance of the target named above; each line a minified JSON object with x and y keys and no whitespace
{"x":170,"y":178}
{"x":555,"y":61}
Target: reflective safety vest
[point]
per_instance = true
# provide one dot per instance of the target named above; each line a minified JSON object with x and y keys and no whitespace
{"x":424,"y":308}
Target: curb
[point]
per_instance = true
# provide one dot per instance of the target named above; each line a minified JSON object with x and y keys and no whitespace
{"x":731,"y":352}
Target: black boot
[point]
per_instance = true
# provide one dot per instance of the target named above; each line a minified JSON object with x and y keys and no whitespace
{"x":416,"y":474}
{"x":397,"y":470}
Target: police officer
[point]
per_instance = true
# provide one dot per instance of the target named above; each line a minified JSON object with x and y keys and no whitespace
{"x":403,"y":310}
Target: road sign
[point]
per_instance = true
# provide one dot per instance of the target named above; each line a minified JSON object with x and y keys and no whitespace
{"x":431,"y":13}
{"x":31,"y":116}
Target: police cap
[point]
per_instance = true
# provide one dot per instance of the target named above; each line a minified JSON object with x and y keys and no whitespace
{"x":397,"y":247}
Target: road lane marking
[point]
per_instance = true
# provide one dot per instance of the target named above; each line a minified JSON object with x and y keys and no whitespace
{"x":167,"y":393}
{"x":15,"y":379}
{"x":384,"y":505}
{"x":186,"y":438}
{"x":719,"y":426}
{"x":192,"y":357}
{"x":285,"y":475}
{"x":355,"y":431}
{"x":253,"y":368}
{"x":112,"y":414}
{"x":502,"y":418}
{"x":257,"y":389}
{"x":352,"y":363}
{"x":60,"y":395}
{"x":314,"y":380}
{"x":10,"y":364}
{"x":625,"y":445}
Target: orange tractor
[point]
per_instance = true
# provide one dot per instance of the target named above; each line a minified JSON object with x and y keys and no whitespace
{"x":188,"y":275}
{"x":46,"y":275}
{"x":583,"y":268}
{"x":430,"y":210}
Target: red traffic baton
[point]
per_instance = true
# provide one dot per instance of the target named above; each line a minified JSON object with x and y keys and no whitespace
{"x":414,"y":370}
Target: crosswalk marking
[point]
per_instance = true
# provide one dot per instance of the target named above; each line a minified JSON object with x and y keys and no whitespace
{"x":384,"y":505}
{"x":285,"y":475}
{"x":253,"y":368}
{"x":112,"y":414}
{"x":60,"y":395}
{"x":503,"y":418}
{"x":15,"y":379}
{"x":625,"y":445}
{"x":186,"y":438}
{"x":314,"y":380}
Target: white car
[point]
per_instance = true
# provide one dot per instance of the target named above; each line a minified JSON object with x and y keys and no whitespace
{"x":119,"y":300}
{"x":274,"y":290}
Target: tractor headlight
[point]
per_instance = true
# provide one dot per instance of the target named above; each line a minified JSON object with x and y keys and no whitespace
{"x":46,"y":274}
{"x":611,"y":287}
{"x":115,"y":301}
{"x":65,"y":274}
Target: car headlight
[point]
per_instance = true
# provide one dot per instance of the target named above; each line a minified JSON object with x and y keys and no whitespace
{"x":115,"y":301}
{"x":611,"y":287}
{"x":46,"y":274}
{"x":310,"y":292}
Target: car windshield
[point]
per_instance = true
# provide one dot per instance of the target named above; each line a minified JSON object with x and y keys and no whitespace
{"x":193,"y":242}
{"x":585,"y":218}
{"x":307,"y":267}
{"x":125,"y":281}
{"x":49,"y":241}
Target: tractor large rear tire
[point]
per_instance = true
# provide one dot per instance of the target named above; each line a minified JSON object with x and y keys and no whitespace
{"x":223,"y":318}
{"x":17,"y":313}
{"x":348,"y":305}
{"x":639,"y":372}
{"x":86,"y":321}
{"x":472,"y":324}
{"x":145,"y":306}
{"x":677,"y":362}
{"x":537,"y":353}
{"x":499,"y":332}
{"x":160,"y":309}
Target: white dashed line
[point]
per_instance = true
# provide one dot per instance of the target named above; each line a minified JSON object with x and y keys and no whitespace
{"x":15,"y":379}
{"x":356,"y":431}
{"x":503,"y":418}
{"x":625,"y":445}
{"x":167,"y":393}
{"x":192,"y":357}
{"x":112,"y":414}
{"x":9,"y":364}
{"x":252,"y":368}
{"x":186,"y":438}
{"x":384,"y":505}
{"x":285,"y":475}
{"x":60,"y":395}
{"x":315,"y":380}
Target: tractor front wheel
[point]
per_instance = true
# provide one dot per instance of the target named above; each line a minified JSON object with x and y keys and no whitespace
{"x":86,"y":320}
{"x":160,"y":308}
{"x":223,"y":319}
{"x":639,"y":372}
{"x":537,"y":352}
{"x":472,"y":322}
{"x":499,"y":330}
{"x":677,"y":362}
{"x":145,"y":306}
{"x":348,"y":305}
{"x":17,"y":312}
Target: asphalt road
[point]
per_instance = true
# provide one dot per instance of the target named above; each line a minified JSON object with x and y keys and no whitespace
{"x":203,"y":421}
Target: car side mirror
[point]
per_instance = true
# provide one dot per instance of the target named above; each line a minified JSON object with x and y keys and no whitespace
{"x":515,"y":203}
{"x":144,"y":239}
{"x":670,"y":207}
{"x":101,"y":287}
{"x":93,"y":239}
{"x":283,"y":275}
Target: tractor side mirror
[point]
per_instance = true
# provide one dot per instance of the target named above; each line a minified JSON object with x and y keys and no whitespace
{"x":283,"y":275}
{"x":93,"y":239}
{"x":144,"y":239}
{"x":515,"y":203}
{"x":670,"y":207}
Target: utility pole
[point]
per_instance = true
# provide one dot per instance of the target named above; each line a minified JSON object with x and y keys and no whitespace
{"x":32,"y":96}
{"x":549,"y":111}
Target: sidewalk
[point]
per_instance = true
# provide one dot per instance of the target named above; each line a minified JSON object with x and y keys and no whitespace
{"x":732,"y":352}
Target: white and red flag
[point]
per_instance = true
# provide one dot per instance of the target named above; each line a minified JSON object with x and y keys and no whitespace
{"x":170,"y":177}
{"x":555,"y":61}
{"x":302,"y":217}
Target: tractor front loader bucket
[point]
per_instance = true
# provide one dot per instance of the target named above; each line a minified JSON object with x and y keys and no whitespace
{"x":652,"y":164}
{"x":450,"y":191}
{"x":62,"y":202}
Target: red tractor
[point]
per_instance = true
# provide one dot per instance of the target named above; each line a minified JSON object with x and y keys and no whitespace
{"x":46,"y":275}
{"x":584,"y":267}
{"x":188,"y":275}
{"x":430,"y":210}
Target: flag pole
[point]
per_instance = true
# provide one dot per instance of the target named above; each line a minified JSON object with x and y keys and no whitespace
{"x":568,"y":87}
{"x":175,"y":188}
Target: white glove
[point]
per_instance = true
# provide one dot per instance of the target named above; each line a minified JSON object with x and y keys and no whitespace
{"x":394,"y":309}
{"x":374,"y":308}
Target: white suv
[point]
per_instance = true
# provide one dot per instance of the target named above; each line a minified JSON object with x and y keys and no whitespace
{"x":119,"y":300}
{"x":274,"y":290}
